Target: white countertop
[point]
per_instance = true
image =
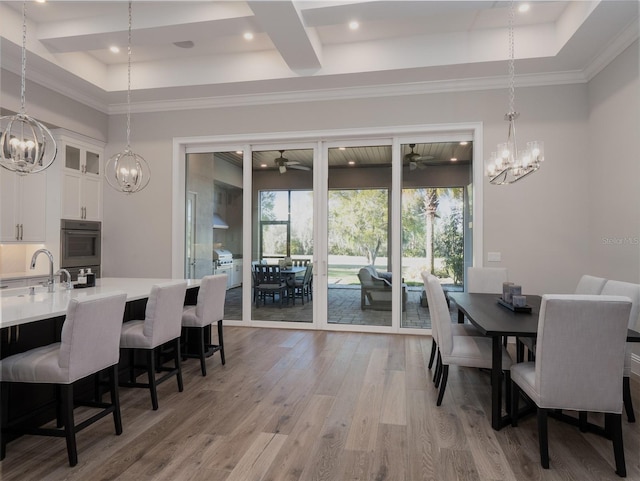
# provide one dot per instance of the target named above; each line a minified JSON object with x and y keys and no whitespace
{"x":18,"y":307}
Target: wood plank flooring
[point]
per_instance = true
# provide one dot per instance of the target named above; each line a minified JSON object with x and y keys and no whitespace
{"x":319,"y":406}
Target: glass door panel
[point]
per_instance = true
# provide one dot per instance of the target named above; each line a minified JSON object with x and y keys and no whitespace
{"x":214,"y":222}
{"x":359,"y":267}
{"x":432,"y":221}
{"x":282,"y":183}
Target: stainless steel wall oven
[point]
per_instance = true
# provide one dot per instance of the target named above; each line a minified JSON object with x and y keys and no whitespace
{"x":80,"y":245}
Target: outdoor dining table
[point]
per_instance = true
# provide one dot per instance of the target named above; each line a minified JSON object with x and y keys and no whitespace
{"x":496,"y":321}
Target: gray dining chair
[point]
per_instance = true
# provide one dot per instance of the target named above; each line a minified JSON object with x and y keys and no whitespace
{"x":89,"y":344}
{"x":209,"y":308}
{"x":632,"y":291}
{"x":464,"y":351}
{"x":569,"y":373}
{"x":590,"y":285}
{"x":161,"y":325}
{"x":457,"y":329}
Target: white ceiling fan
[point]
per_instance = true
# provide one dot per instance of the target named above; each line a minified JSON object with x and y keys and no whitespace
{"x":283,"y":163}
{"x":415,"y":160}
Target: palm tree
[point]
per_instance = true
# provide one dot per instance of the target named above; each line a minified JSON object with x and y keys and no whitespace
{"x":431,"y":202}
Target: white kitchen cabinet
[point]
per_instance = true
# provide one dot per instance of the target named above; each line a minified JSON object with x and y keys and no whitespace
{"x":236,"y":274}
{"x":23,"y":211}
{"x":81,"y":166}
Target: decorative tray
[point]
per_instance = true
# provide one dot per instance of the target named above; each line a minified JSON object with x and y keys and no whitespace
{"x":513,"y":308}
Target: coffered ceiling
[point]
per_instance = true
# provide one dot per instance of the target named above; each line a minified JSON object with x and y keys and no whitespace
{"x":305,"y":49}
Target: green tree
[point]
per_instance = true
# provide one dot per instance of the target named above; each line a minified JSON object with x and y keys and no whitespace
{"x":358,"y":222}
{"x":451,"y":244}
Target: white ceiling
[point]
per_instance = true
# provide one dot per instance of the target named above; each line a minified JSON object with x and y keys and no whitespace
{"x":305,"y":48}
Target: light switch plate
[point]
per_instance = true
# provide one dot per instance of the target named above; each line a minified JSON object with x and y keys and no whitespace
{"x":494,"y":256}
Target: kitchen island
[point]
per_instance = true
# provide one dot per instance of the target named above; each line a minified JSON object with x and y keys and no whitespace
{"x":20,"y":307}
{"x":28,"y":321}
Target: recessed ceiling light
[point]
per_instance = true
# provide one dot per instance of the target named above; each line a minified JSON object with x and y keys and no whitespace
{"x":41,"y":1}
{"x":263,"y":165}
{"x":248,"y":36}
{"x":352,"y":162}
{"x":464,"y":142}
{"x":342,"y":148}
{"x":184,"y":44}
{"x":353,"y":25}
{"x":238,"y":152}
{"x":454,"y":159}
{"x":114,"y":49}
{"x":524,"y":7}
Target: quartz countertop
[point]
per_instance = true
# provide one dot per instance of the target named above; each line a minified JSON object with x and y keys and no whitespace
{"x":18,"y":307}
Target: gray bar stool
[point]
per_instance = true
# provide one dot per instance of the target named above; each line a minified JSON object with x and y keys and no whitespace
{"x":160,"y":326}
{"x":89,"y":344}
{"x":209,"y":309}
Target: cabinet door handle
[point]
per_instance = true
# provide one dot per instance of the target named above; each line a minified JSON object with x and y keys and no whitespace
{"x":17,"y":231}
{"x":9,"y":336}
{"x":21,"y":231}
{"x":17,"y":332}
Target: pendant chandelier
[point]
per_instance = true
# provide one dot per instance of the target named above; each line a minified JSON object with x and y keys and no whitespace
{"x":127,"y":171}
{"x":26,"y":145}
{"x":508,"y":164}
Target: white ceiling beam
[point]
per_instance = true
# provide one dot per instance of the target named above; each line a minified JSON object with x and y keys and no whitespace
{"x":298,"y":45}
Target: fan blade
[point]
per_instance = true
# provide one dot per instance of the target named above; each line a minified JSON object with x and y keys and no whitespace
{"x":298,"y":167}
{"x":291,"y":162}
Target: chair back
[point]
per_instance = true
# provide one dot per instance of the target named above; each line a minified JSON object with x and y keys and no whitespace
{"x":440,"y":316}
{"x":590,"y":285}
{"x":90,"y":339}
{"x":307,"y":274}
{"x":486,"y":280}
{"x":576,"y":358}
{"x":268,"y":274}
{"x":630,"y":290}
{"x":163,"y":316}
{"x":211,"y":298}
{"x":434,"y":328}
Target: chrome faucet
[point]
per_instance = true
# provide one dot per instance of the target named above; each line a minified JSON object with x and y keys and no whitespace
{"x":67,"y":282}
{"x":50,"y":284}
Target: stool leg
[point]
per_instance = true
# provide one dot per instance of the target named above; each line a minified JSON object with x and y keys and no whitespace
{"x":178,"y":365}
{"x":626,"y":396}
{"x":59,"y":407}
{"x":132,"y":358}
{"x":151,"y":373}
{"x":203,"y":365}
{"x":66,"y":391}
{"x":221,"y":341}
{"x":115,"y":398}
{"x":4,"y":406}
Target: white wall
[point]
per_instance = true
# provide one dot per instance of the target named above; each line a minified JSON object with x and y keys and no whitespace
{"x":538,"y":225}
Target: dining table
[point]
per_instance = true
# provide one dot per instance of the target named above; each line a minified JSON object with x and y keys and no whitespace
{"x":497,"y":321}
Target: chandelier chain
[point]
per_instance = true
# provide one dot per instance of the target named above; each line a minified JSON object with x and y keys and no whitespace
{"x":24,"y":57}
{"x":129,"y":82}
{"x":512,"y":68}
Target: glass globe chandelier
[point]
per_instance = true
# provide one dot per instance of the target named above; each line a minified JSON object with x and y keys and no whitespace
{"x":127,"y":171}
{"x":508,"y":164}
{"x":26,"y":145}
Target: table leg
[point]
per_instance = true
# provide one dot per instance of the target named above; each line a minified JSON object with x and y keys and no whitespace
{"x":460,"y":317}
{"x":496,"y":383}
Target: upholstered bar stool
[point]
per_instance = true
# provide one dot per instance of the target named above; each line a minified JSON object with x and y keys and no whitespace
{"x":89,"y":344}
{"x":209,"y":309}
{"x":160,"y":326}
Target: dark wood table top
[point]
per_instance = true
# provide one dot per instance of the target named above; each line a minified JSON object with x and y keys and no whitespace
{"x":492,"y":319}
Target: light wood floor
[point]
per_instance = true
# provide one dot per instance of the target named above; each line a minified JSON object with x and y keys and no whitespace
{"x":305,"y":405}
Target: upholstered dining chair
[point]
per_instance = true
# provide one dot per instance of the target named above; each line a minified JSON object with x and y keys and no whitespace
{"x":590,"y":285}
{"x":89,"y":344}
{"x":464,"y":351}
{"x":574,"y":363}
{"x":161,"y":325}
{"x":208,"y":309}
{"x":632,"y":291}
{"x":456,"y":328}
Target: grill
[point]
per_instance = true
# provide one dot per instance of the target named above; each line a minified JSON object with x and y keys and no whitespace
{"x":222,"y":258}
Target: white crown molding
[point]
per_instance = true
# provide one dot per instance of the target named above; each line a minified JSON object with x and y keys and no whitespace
{"x":611,"y":51}
{"x":417,"y":88}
